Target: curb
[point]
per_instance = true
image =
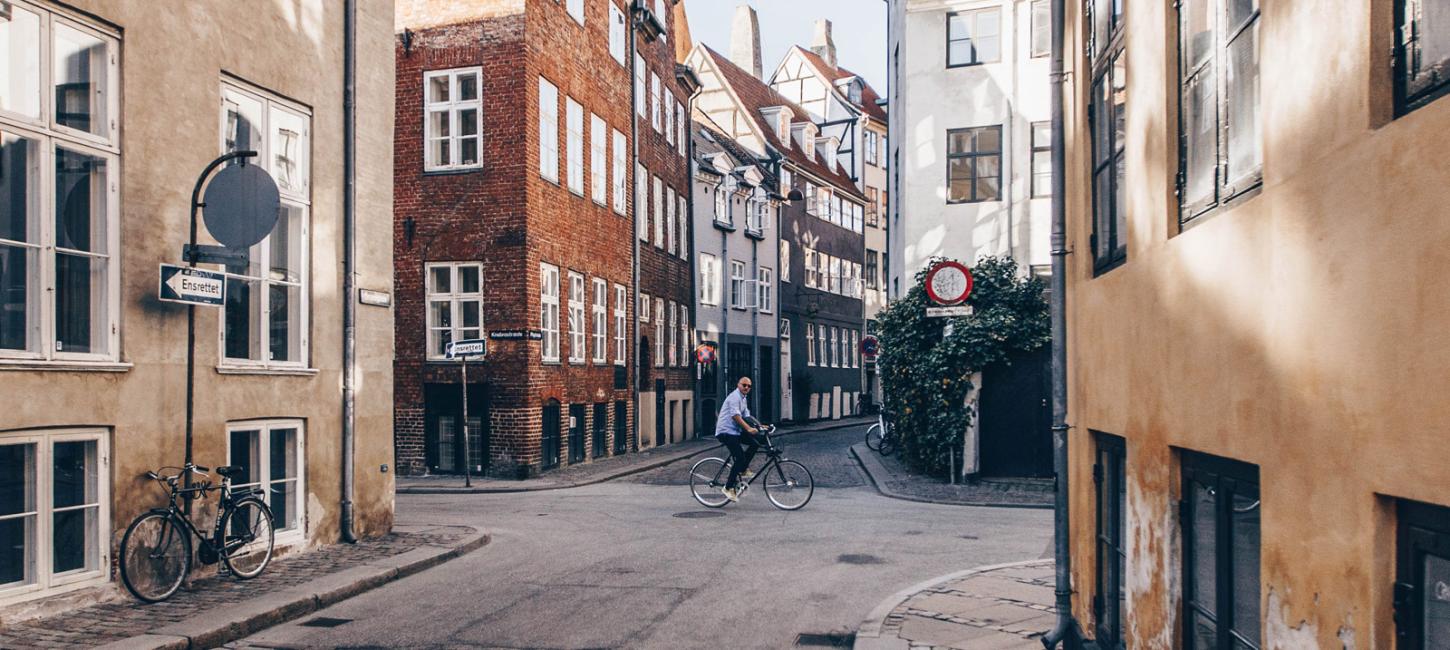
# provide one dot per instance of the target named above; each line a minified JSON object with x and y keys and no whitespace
{"x":870,"y":628}
{"x":643,"y":467}
{"x":230,"y":623}
{"x":873,"y":468}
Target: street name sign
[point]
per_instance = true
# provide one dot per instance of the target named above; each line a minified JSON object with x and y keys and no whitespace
{"x":959,"y":310}
{"x":466,"y":349}
{"x":190,"y":286}
{"x":516,"y":335}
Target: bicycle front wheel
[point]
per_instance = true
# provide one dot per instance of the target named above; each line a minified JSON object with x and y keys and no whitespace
{"x":707,"y":479}
{"x":155,"y":556}
{"x":888,"y":444}
{"x":789,"y":485}
{"x":247,"y":538}
{"x":873,"y":438}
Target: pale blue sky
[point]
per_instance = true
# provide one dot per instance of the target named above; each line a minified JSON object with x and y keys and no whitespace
{"x":858,"y":26}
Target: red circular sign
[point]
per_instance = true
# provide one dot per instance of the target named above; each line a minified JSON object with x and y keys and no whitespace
{"x":948,"y":283}
{"x":870,"y":345}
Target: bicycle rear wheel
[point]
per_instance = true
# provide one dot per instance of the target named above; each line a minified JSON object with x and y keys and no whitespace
{"x":707,"y":478}
{"x":155,"y":556}
{"x":873,"y":438}
{"x":247,"y":538}
{"x":789,"y":485}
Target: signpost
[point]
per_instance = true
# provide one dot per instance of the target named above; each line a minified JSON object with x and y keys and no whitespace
{"x":192,"y":286}
{"x":463,"y":350}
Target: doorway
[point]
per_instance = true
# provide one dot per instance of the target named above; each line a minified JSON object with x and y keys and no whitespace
{"x":1015,"y":419}
{"x":443,"y":428}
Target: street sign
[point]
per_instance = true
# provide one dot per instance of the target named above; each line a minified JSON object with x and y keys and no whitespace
{"x":959,"y":310}
{"x":870,"y":346}
{"x":192,"y":286}
{"x":705,"y":353}
{"x":242,"y":205}
{"x":948,"y":283}
{"x":516,"y":335}
{"x":466,"y":349}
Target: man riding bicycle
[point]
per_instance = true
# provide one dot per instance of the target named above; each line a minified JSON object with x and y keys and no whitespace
{"x":736,"y":429}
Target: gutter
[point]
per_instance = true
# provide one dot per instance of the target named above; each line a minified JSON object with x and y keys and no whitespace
{"x":349,"y":265}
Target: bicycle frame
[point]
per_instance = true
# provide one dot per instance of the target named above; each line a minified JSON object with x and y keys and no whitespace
{"x":773,"y":453}
{"x":225,"y":504}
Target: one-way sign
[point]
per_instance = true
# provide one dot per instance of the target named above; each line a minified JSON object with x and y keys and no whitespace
{"x":466,"y":349}
{"x":192,"y":286}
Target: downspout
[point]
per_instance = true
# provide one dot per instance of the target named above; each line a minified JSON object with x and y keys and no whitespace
{"x":634,"y":223}
{"x":723,"y":377}
{"x":1058,"y":307}
{"x":755,"y":313}
{"x":349,"y":263}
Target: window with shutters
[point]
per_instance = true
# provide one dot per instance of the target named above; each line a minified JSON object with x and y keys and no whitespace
{"x":1422,"y":53}
{"x":1220,"y":151}
{"x":1220,"y":518}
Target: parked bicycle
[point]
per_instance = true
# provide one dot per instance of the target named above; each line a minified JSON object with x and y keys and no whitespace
{"x":788,"y":484}
{"x":881,"y":437}
{"x":156,"y":549}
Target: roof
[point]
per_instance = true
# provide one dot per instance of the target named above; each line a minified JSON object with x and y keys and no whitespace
{"x":868,"y":94}
{"x":755,"y":95}
{"x":713,"y":141}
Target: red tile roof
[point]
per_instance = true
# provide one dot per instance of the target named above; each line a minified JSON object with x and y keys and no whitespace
{"x":868,"y":94}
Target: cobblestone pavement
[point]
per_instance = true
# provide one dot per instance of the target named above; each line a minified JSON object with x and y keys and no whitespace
{"x":1002,"y":608}
{"x":892,"y":476}
{"x":114,"y":621}
{"x":825,"y":453}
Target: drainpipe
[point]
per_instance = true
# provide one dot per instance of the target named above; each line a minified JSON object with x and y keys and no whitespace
{"x":722,"y":376}
{"x":349,"y":263}
{"x":1061,"y":533}
{"x":634,"y":223}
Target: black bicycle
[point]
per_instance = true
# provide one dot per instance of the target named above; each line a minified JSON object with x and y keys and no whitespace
{"x":788,"y":484}
{"x":156,"y":550}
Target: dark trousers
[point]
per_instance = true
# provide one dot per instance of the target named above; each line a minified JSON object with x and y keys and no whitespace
{"x":742,"y":449}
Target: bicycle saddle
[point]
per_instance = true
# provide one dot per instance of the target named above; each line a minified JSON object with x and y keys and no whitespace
{"x":231,"y":471}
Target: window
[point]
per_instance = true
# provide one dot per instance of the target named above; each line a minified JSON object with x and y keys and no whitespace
{"x":620,"y":301}
{"x":663,"y":17}
{"x":1105,"y":119}
{"x":576,"y":318}
{"x":737,"y":284}
{"x":1422,"y":566}
{"x":674,"y":337}
{"x":828,"y":358}
{"x":870,"y":146}
{"x":655,"y":119}
{"x":785,"y":182}
{"x":1221,"y":519}
{"x":871,"y":269}
{"x":270,"y":455}
{"x":722,"y":214}
{"x":644,"y":308}
{"x":453,"y":119}
{"x":659,"y":212}
{"x":548,"y":130}
{"x":764,"y":285}
{"x":683,"y":216}
{"x":54,"y":510}
{"x":264,"y":320}
{"x":810,"y":344}
{"x":834,"y":277}
{"x":809,"y":258}
{"x":1042,"y":28}
{"x":455,"y":304}
{"x":660,"y":332}
{"x":1041,"y":159}
{"x":641,"y":202}
{"x":621,"y":184}
{"x":1109,"y":604}
{"x":59,"y":229}
{"x":576,"y":10}
{"x":855,"y":349}
{"x":973,"y":37}
{"x":1422,"y":53}
{"x":617,"y":33}
{"x":1220,"y":156}
{"x":639,"y":85}
{"x":811,"y":197}
{"x":601,"y":321}
{"x":574,"y":114}
{"x":598,"y":144}
{"x":669,"y":108}
{"x":974,"y":164}
{"x":709,"y":279}
{"x":784,"y":261}
{"x":549,"y":311}
{"x":680,"y":123}
{"x":669,"y":242}
{"x":684,"y":336}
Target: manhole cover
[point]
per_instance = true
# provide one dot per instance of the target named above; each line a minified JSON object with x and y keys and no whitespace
{"x":699,"y":514}
{"x":827,"y":640}
{"x":859,"y":558}
{"x":323,"y":621}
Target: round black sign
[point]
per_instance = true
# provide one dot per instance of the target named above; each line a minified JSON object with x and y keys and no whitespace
{"x":241,"y":205}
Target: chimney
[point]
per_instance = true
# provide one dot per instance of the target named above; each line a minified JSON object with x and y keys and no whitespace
{"x":745,"y":40}
{"x":822,"y":44}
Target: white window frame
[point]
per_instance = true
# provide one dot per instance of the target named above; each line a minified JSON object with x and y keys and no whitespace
{"x":682,"y":215}
{"x":764,"y":302}
{"x":659,"y":212}
{"x":684,"y":335}
{"x":601,"y":321}
{"x":670,"y":241}
{"x":454,"y":109}
{"x":574,"y":145}
{"x":855,"y":349}
{"x":680,"y":122}
{"x":640,"y":85}
{"x":656,"y":120}
{"x":659,"y":332}
{"x":621,"y":298}
{"x":598,"y":155}
{"x":548,"y":131}
{"x":455,"y":300}
{"x":296,"y":197}
{"x":44,"y":583}
{"x":643,"y":308}
{"x":576,"y":10}
{"x":578,"y":337}
{"x":669,"y":109}
{"x":617,"y":33}
{"x":739,"y":286}
{"x":709,"y":280}
{"x":641,"y":202}
{"x":283,"y":536}
{"x":784,"y":260}
{"x":674,"y":334}
{"x":811,"y":344}
{"x":620,"y":182}
{"x":549,"y":312}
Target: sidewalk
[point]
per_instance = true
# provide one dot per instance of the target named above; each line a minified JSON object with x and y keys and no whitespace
{"x":892,"y":479}
{"x":599,"y":471}
{"x":215,"y":610}
{"x":1002,"y":607}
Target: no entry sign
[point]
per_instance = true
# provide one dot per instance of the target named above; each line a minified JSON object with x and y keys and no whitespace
{"x":948,"y":283}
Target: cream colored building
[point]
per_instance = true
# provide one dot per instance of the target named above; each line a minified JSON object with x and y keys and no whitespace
{"x":1257,"y":324}
{"x":109,"y":110}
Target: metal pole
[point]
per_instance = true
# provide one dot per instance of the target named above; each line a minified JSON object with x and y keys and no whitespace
{"x":467,"y":457}
{"x":636,"y":381}
{"x":349,"y":264}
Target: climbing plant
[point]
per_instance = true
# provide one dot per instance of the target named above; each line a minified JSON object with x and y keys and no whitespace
{"x":926,"y":371}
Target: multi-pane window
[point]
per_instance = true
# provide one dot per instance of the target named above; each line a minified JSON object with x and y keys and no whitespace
{"x":673,"y":334}
{"x":810,"y":344}
{"x":659,"y":211}
{"x":1422,"y":53}
{"x":834,"y":278}
{"x":1221,"y":545}
{"x":680,"y":125}
{"x":641,"y":202}
{"x":1041,"y":159}
{"x":655,"y":118}
{"x":660,"y":318}
{"x":974,"y":164}
{"x":618,"y":32}
{"x":669,"y":108}
{"x":54,"y":510}
{"x":682,"y":214}
{"x":548,"y":130}
{"x":809,"y":261}
{"x":709,"y":279}
{"x":598,"y":151}
{"x":870,"y":146}
{"x":576,"y":10}
{"x":455,"y":304}
{"x":764,"y":286}
{"x":453,"y":119}
{"x":812,"y":199}
{"x":621,"y":184}
{"x":670,"y":219}
{"x":601,"y":320}
{"x":684,"y":335}
{"x":974,"y":37}
{"x":1221,"y":154}
{"x":59,"y":178}
{"x":1109,"y":603}
{"x":1042,"y":28}
{"x":722,"y":213}
{"x":855,"y":349}
{"x":871,"y":269}
{"x":621,"y":301}
{"x":644,"y":308}
{"x":737,"y":284}
{"x":269,"y":454}
{"x":639,"y":85}
{"x":576,"y":318}
{"x":1106,"y":121}
{"x":264,"y":321}
{"x":784,"y":261}
{"x":574,"y":116}
{"x":828,"y":358}
{"x":549,"y":311}
{"x":1422,"y":573}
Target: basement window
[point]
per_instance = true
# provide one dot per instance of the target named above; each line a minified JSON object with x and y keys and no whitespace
{"x":1220,"y":514}
{"x":1422,"y":580}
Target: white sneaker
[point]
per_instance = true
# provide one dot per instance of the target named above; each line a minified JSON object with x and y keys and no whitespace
{"x":732,"y":494}
{"x":747,"y":475}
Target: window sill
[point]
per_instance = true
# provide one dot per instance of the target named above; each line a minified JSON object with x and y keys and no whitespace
{"x":64,"y":366}
{"x":262,"y":370}
{"x":452,"y":171}
{"x":758,"y":235}
{"x":1229,"y":203}
{"x":723,"y":225}
{"x":1101,"y":267}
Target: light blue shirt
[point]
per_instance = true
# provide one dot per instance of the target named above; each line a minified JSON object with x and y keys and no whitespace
{"x":734,"y":405}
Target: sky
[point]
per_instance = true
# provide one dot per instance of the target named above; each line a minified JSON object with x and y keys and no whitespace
{"x":858,"y":27}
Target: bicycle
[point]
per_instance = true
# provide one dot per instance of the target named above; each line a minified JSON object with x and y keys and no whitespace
{"x":788,"y":484}
{"x":156,"y":549}
{"x":881,"y":437}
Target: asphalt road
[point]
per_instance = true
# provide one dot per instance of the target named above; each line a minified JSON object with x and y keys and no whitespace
{"x":631,"y":564}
